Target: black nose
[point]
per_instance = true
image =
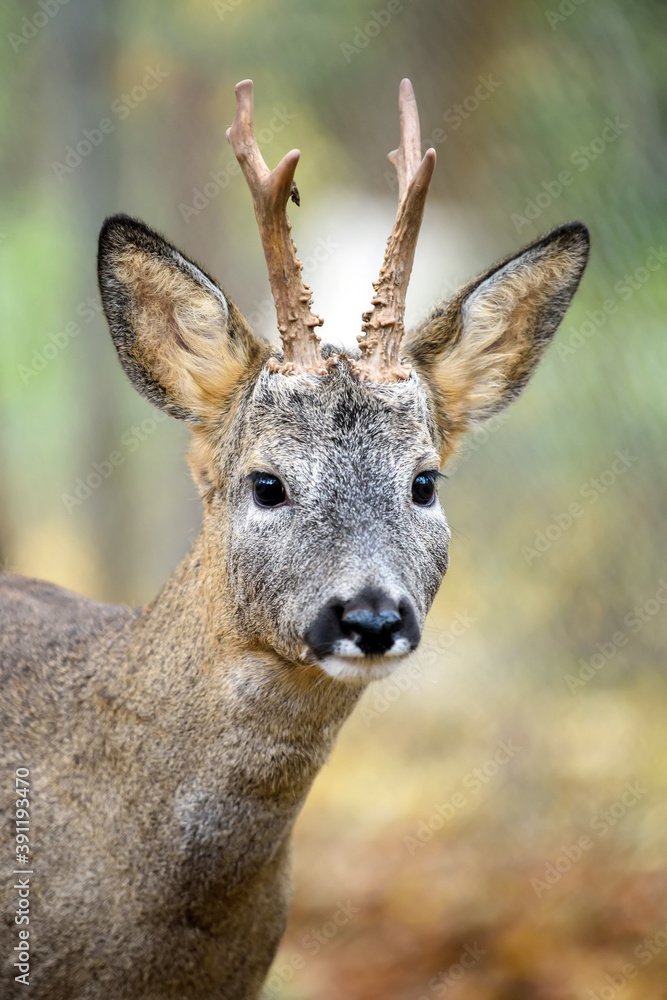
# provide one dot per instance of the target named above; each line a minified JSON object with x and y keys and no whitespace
{"x":371,"y":623}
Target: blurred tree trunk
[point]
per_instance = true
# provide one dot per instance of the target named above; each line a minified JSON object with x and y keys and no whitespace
{"x":82,"y":50}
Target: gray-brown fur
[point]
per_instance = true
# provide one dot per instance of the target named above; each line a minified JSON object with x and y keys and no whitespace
{"x":171,"y":748}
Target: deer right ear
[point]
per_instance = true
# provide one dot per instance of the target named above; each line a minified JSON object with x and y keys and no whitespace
{"x":478,"y":351}
{"x":183,"y":344}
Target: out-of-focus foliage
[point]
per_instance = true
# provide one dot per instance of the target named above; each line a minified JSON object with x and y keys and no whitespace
{"x":549,"y":632}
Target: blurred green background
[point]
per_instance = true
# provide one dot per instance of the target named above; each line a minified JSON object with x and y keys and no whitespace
{"x":429,"y":860}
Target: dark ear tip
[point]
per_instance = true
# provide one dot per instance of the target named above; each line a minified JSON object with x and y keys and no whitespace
{"x":115,"y":225}
{"x":574,"y":235}
{"x":120,"y":229}
{"x":577,"y":229}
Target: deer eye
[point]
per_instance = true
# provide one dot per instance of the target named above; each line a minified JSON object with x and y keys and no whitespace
{"x":423,"y":489}
{"x":268,"y":491}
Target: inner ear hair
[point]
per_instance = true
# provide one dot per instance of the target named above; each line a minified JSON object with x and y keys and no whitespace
{"x":175,"y":321}
{"x":182,"y":342}
{"x":478,"y":351}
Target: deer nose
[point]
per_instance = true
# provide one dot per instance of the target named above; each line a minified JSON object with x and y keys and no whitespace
{"x":372,"y":628}
{"x":369,"y":624}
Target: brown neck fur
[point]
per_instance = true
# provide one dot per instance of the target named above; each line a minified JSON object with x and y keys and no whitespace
{"x":181,"y":661}
{"x":183,"y":757}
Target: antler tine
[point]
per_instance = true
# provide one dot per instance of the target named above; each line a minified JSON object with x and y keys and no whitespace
{"x":407,"y":157}
{"x":270,"y":191}
{"x":383,"y":324}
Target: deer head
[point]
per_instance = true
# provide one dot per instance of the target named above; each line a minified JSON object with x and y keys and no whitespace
{"x":324,"y":537}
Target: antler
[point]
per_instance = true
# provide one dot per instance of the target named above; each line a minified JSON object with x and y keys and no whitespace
{"x":270,"y":191}
{"x":383,"y":323}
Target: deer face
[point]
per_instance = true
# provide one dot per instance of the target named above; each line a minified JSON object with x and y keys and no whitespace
{"x":325,"y":538}
{"x":335,"y":540}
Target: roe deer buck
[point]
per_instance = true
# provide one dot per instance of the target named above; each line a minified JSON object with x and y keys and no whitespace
{"x":170,"y":748}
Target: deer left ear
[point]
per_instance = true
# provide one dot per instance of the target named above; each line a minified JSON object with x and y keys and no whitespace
{"x":478,"y":351}
{"x":182,"y":342}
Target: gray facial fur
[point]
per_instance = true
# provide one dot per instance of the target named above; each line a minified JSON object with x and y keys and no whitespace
{"x":347,"y":454}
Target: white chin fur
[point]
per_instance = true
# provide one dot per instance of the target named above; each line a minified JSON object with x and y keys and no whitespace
{"x":348,"y":663}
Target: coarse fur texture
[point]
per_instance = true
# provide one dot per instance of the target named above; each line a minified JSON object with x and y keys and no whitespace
{"x":170,"y":748}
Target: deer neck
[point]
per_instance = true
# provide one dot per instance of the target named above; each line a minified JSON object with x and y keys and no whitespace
{"x":233,"y":736}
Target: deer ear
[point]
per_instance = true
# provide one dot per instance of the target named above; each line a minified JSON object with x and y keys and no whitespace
{"x":478,"y":351}
{"x":183,"y":344}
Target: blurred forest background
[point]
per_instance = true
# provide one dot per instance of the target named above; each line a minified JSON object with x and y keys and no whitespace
{"x":493,"y":821}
